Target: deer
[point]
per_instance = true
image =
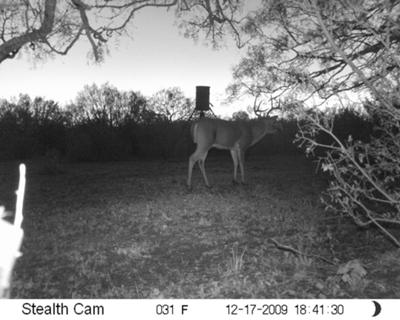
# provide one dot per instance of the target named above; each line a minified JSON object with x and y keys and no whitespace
{"x":235,"y":136}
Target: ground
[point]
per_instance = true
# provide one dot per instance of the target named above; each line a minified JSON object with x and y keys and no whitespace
{"x":134,"y":230}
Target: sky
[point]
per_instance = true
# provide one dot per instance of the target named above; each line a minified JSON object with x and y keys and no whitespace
{"x":156,"y":57}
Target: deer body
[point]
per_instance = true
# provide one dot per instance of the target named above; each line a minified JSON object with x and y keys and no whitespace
{"x":235,"y":136}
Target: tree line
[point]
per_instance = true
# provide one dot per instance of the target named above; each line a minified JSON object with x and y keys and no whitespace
{"x":104,"y":123}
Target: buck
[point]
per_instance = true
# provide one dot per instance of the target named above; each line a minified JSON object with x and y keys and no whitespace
{"x":236,"y":136}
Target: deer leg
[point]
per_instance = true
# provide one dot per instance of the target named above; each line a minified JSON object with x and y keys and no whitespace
{"x":240,"y":155}
{"x":235,"y":164}
{"x":192,"y":161}
{"x":200,"y":157}
{"x":203,"y":169}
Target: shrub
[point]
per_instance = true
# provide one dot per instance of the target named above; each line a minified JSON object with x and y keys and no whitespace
{"x":365,"y":180}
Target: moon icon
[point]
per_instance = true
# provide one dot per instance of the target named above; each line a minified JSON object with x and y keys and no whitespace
{"x":378,"y":308}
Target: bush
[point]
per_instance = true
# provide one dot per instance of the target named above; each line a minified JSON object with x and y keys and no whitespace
{"x":365,"y":174}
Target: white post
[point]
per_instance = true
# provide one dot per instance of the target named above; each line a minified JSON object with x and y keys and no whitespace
{"x":11,"y":236}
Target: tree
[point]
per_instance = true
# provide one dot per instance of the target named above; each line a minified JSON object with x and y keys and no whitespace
{"x":47,"y":111}
{"x":99,"y":104}
{"x":107,"y":105}
{"x":136,"y":107}
{"x":54,"y":27}
{"x":171,"y":103}
{"x":365,"y":183}
{"x":290,"y":55}
{"x":240,"y":115}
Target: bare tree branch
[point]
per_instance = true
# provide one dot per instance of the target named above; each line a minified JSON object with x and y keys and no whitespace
{"x":10,"y":48}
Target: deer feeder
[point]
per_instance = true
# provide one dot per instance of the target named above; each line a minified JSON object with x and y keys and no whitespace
{"x":202,"y":98}
{"x":202,"y":102}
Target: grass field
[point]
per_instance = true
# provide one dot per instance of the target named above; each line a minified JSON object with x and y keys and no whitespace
{"x":133,"y":230}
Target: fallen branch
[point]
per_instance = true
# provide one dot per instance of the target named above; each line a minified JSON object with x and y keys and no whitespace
{"x":299,"y":253}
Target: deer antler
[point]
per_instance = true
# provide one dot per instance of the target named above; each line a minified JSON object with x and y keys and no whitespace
{"x":274,"y":108}
{"x":257,"y":107}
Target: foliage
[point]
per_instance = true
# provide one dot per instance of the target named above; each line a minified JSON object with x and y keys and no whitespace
{"x":222,"y":17}
{"x":365,"y":182}
{"x":291,"y":58}
{"x":48,"y":27}
{"x":172,"y":104}
{"x":30,"y":128}
{"x":108,"y":106}
{"x":102,"y":124}
{"x":364,"y":173}
{"x":240,"y":115}
{"x":112,"y":124}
